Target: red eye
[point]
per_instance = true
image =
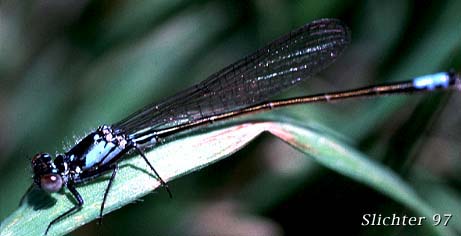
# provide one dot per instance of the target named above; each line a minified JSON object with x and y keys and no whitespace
{"x":51,"y":183}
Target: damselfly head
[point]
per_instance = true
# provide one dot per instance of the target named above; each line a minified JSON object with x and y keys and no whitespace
{"x":46,"y":175}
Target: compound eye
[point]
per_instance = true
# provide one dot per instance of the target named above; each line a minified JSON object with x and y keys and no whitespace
{"x":51,"y":183}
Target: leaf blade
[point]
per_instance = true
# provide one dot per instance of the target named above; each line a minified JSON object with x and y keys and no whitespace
{"x":193,"y":152}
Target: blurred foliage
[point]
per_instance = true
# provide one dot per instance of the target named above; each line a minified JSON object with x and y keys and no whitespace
{"x":69,"y":66}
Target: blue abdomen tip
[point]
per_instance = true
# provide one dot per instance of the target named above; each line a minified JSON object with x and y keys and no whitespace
{"x":430,"y":82}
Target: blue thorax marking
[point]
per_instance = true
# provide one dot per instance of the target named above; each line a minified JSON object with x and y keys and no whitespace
{"x":100,"y":152}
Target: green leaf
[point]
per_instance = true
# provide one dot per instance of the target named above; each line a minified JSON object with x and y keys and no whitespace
{"x":192,"y":152}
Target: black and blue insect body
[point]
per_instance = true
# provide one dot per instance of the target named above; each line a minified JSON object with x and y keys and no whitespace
{"x":241,"y":88}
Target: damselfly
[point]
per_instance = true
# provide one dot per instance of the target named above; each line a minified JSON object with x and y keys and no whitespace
{"x":239,"y":89}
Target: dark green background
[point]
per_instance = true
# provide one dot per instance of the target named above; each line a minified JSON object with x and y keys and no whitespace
{"x":68,"y":66}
